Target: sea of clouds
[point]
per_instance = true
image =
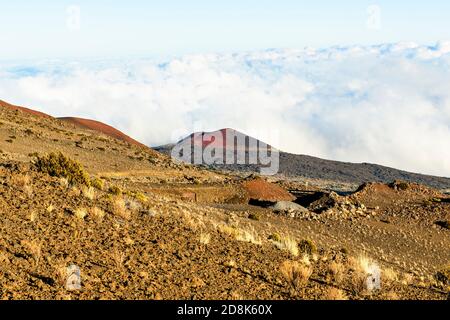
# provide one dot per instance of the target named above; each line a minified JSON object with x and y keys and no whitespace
{"x":386,"y":104}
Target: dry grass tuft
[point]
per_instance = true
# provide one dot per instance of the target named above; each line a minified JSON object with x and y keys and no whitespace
{"x":389,"y":275}
{"x":118,"y":257}
{"x":74,"y":192}
{"x":296,"y":274}
{"x":97,"y":213}
{"x":335,"y":294}
{"x":119,"y":208}
{"x":88,"y":192}
{"x":132,"y":205}
{"x":205,"y":238}
{"x":230,"y":263}
{"x":34,"y":215}
{"x":248,"y":236}
{"x":21,"y":180}
{"x":141,"y":197}
{"x":34,"y":248}
{"x":50,"y":208}
{"x":98,"y":183}
{"x":275,"y":237}
{"x":115,"y":190}
{"x":362,"y":267}
{"x":64,"y":182}
{"x":239,"y":234}
{"x":80,"y":213}
{"x":287,"y":243}
{"x":305,"y":260}
{"x":336,"y":270}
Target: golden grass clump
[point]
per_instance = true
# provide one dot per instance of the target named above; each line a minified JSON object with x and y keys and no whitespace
{"x":205,"y":238}
{"x":141,"y":197}
{"x":389,"y":275}
{"x":97,"y":213}
{"x":296,"y":274}
{"x":21,"y":180}
{"x":241,"y":234}
{"x":287,"y":243}
{"x":362,"y":267}
{"x":34,"y":215}
{"x":34,"y":248}
{"x":88,"y":192}
{"x":275,"y":237}
{"x":80,"y":213}
{"x":335,"y":294}
{"x":336,"y":271}
{"x":119,"y":208}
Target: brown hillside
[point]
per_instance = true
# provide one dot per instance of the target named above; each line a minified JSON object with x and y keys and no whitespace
{"x":79,"y":122}
{"x":23,"y":109}
{"x":101,"y":127}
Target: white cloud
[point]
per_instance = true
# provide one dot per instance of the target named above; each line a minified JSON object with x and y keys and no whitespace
{"x":387,"y":104}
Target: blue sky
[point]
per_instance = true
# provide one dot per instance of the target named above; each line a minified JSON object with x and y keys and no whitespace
{"x":38,"y":29}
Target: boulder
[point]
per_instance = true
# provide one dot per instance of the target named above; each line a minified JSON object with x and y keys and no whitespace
{"x":288,"y":206}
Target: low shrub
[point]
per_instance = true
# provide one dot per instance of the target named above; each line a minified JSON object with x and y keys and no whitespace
{"x":58,"y":165}
{"x":115,"y":190}
{"x":443,"y":276}
{"x":307,"y":247}
{"x":98,"y":183}
{"x":254,"y":216}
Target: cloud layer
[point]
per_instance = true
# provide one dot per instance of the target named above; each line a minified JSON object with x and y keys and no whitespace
{"x":386,"y":104}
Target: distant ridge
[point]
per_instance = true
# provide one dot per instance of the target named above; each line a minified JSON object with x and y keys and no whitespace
{"x":207,"y":139}
{"x":294,"y":165}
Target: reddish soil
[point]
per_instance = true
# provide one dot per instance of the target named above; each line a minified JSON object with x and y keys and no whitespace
{"x":205,"y":139}
{"x":385,"y":196}
{"x":261,"y":190}
{"x":23,"y":109}
{"x":101,"y":127}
